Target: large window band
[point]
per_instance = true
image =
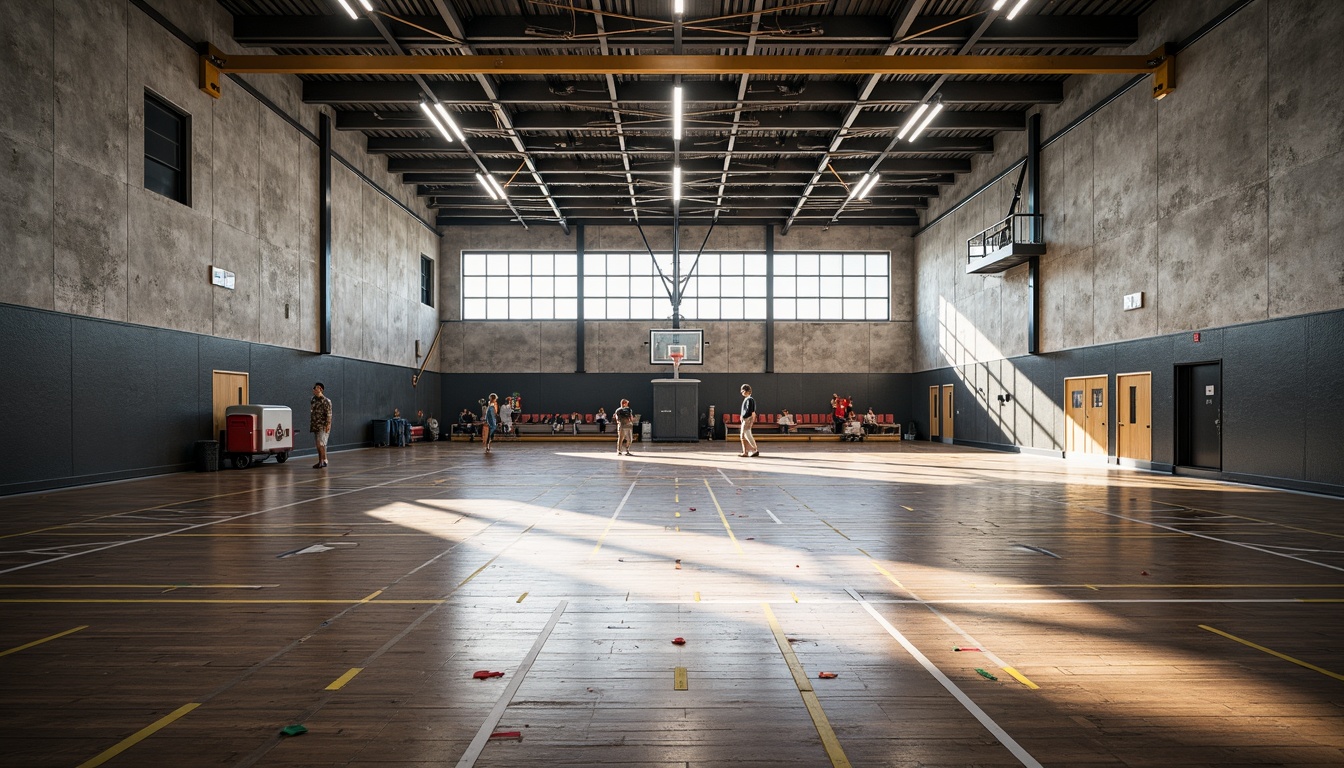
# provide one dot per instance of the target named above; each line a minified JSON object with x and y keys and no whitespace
{"x":819,"y":286}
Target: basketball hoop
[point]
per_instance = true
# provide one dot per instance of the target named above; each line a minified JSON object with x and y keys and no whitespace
{"x":676,"y":352}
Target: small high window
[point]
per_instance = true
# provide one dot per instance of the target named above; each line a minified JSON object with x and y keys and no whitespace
{"x":167,"y":150}
{"x":426,"y":281}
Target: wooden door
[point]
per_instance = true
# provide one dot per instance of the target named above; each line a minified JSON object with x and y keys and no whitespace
{"x":948,"y":413}
{"x":1085,"y":410}
{"x":934,"y":427}
{"x":1134,"y":416}
{"x":230,"y":388}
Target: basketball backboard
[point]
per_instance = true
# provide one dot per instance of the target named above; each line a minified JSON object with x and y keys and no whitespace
{"x":661,"y":341}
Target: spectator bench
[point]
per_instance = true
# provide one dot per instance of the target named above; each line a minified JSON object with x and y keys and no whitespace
{"x":805,"y":423}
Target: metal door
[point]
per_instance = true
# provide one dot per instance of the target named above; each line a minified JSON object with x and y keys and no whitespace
{"x":1201,"y":415}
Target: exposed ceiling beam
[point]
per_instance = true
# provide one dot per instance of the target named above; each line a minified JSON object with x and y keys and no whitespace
{"x":700,"y":93}
{"x":482,"y":122}
{"x":816,"y":32}
{"x":686,"y":64}
{"x":654,"y":146}
{"x":556,"y":166}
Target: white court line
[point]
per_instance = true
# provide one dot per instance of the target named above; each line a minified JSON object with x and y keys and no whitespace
{"x":612,"y":521}
{"x":725,"y":477}
{"x":1195,"y":534}
{"x":492,"y":720}
{"x":772,"y":516}
{"x":994,"y":728}
{"x":243,"y":516}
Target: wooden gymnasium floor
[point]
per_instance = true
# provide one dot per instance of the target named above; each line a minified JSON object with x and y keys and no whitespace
{"x":1103,"y":616}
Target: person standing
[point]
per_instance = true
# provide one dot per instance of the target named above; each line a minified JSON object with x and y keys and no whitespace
{"x":506,"y":416}
{"x":319,"y":422}
{"x":491,"y":421}
{"x":625,"y":428}
{"x":748,"y":421}
{"x":838,"y":408}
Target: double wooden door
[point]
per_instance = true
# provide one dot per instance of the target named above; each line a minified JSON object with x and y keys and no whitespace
{"x":941,"y":413}
{"x":1086,"y":406}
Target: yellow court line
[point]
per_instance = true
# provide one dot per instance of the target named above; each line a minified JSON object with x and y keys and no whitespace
{"x":1320,"y":600}
{"x":477,"y":572}
{"x":837,"y":530}
{"x":186,"y":601}
{"x":810,"y":700}
{"x":339,"y":682}
{"x":371,"y":596}
{"x":697,"y":597}
{"x":887,"y":573}
{"x":1021,"y":678}
{"x":26,"y":646}
{"x":724,"y":518}
{"x":140,"y":736}
{"x":1283,"y":656}
{"x":794,"y":596}
{"x":521,"y":598}
{"x":679,"y":681}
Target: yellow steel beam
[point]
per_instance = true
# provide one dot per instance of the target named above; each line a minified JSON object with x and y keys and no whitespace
{"x":685,"y":65}
{"x":214,"y":62}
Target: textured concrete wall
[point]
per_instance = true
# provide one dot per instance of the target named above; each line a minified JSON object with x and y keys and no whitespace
{"x":84,"y":237}
{"x":733,"y":346}
{"x":1220,"y":203}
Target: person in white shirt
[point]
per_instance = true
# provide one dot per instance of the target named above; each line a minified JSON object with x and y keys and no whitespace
{"x":785,"y":422}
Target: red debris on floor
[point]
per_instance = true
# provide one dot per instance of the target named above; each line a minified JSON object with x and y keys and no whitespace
{"x":486,"y":674}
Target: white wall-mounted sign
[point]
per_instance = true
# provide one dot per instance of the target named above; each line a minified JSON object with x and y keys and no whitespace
{"x":1133,"y":301}
{"x":221,"y":277}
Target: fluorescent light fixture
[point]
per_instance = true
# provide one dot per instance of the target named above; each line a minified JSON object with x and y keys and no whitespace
{"x":367,"y":5}
{"x":1016,"y":8}
{"x":448,"y":120}
{"x":927,"y":119}
{"x":676,"y":113}
{"x":676,"y":183}
{"x":853,"y":193}
{"x":348,"y":9}
{"x":495,"y":184}
{"x":998,"y":4}
{"x":869,"y":186}
{"x":913,"y":119}
{"x":492,"y":187}
{"x":433,"y":118}
{"x":679,"y":7}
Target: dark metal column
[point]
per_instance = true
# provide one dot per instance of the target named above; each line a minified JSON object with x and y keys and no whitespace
{"x":579,"y":245}
{"x":324,"y":233}
{"x":1034,"y":208}
{"x":769,"y":298}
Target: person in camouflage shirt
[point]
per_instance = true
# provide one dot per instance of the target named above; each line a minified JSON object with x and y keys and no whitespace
{"x":319,"y":423}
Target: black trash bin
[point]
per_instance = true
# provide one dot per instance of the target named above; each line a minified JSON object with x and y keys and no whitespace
{"x":207,"y":455}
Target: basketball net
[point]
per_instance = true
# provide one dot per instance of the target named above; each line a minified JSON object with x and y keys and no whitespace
{"x":676,"y":364}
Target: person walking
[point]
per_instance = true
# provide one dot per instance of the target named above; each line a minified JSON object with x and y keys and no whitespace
{"x":319,"y":422}
{"x":625,"y":428}
{"x":491,"y":421}
{"x":748,"y":417}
